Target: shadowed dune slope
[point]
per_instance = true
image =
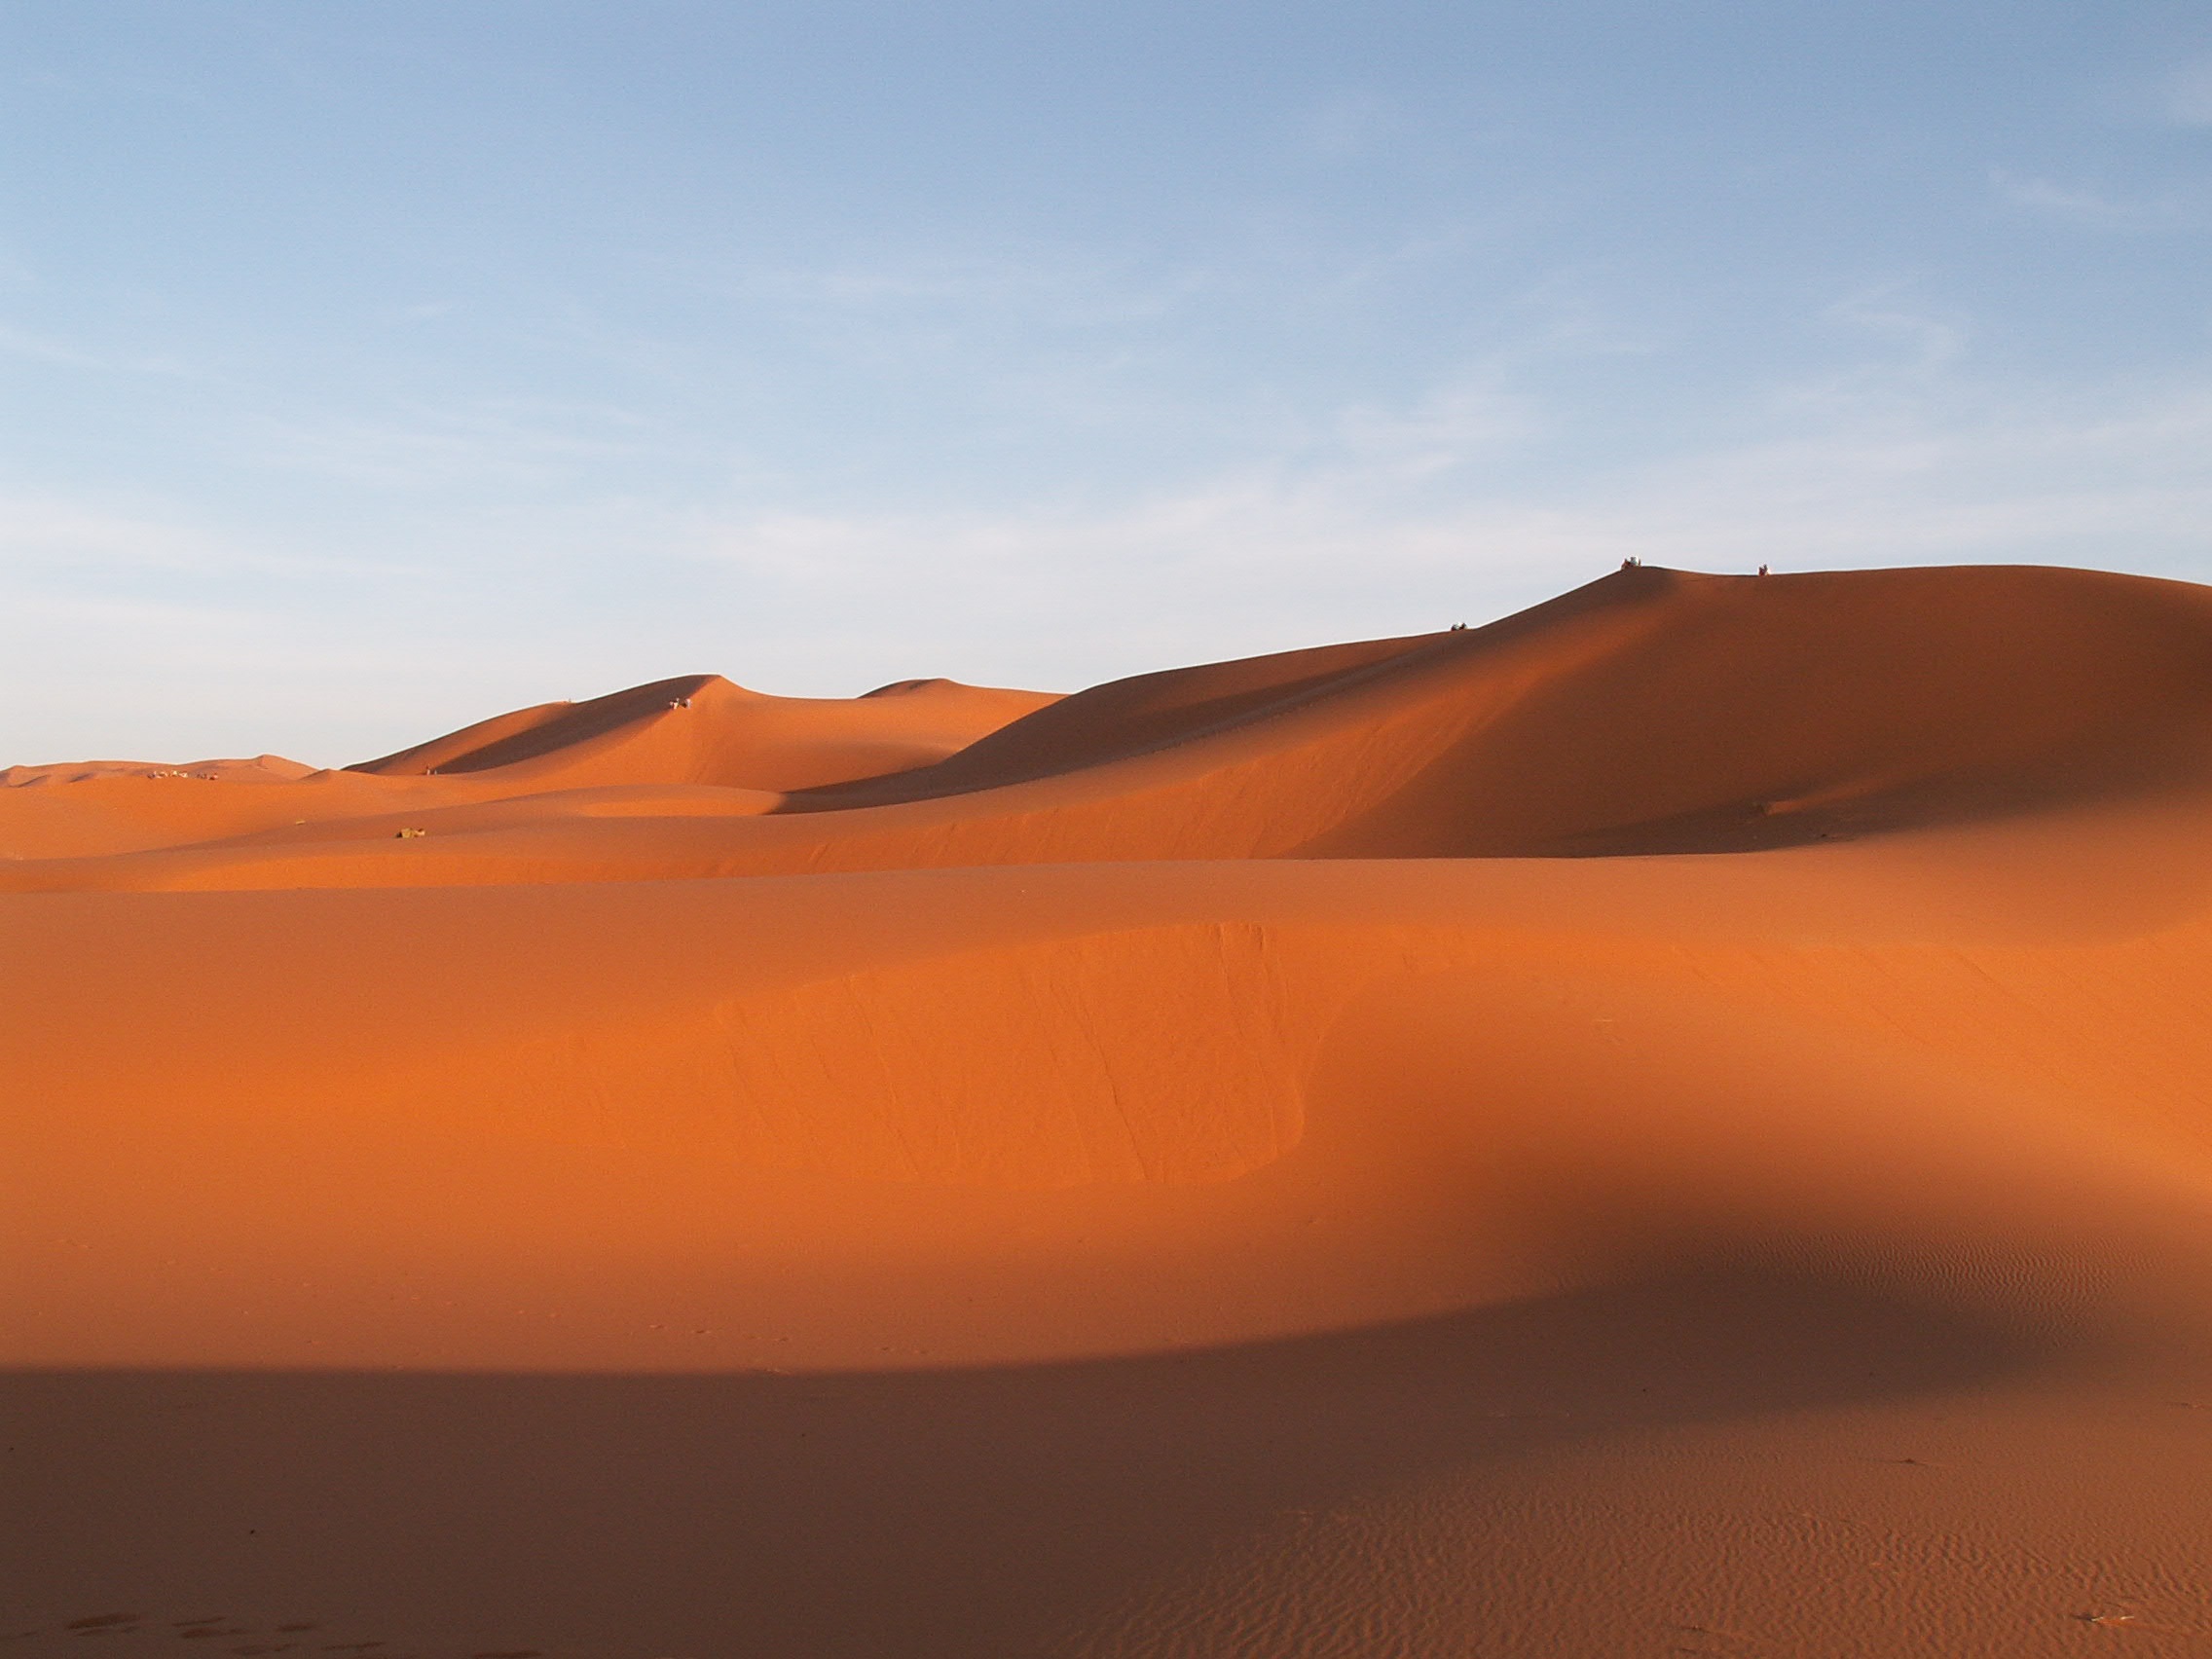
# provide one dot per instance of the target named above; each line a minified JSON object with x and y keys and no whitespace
{"x":1679,"y":1122}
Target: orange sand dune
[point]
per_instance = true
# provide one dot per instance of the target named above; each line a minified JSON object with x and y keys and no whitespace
{"x":1678,"y":1121}
{"x":698,"y":744}
{"x":702,"y":729}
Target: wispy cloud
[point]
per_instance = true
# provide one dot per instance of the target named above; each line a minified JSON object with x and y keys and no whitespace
{"x":31,"y":346}
{"x":1055,"y":288}
{"x":46,"y":530}
{"x":1892,"y":312}
{"x":2089,"y":209}
{"x":494,"y":442}
{"x":1348,"y":124}
{"x":50,"y":539}
{"x":2186,"y":95}
{"x":1449,"y":428}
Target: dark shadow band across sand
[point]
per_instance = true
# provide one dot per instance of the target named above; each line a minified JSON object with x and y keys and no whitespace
{"x":999,"y":1510}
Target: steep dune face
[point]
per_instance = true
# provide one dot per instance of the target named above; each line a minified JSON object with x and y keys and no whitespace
{"x":1675,"y":1121}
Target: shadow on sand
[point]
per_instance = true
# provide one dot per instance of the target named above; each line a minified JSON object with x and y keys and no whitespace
{"x":991,"y":1511}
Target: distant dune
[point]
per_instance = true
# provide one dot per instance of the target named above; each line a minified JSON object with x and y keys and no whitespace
{"x":1678,"y":1121}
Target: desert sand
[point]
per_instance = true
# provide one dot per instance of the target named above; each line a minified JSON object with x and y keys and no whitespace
{"x":1678,"y":1121}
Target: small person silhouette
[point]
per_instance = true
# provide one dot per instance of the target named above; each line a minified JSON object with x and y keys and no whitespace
{"x":1629,"y":564}
{"x":1459,"y":627}
{"x":1762,"y":570}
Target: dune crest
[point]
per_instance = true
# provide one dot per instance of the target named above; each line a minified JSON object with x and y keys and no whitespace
{"x":1676,"y":1121}
{"x":1651,"y":712}
{"x":702,"y":729}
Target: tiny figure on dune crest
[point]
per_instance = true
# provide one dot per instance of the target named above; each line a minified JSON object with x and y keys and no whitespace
{"x":1459,"y":628}
{"x":679,"y":702}
{"x":1632,"y":563}
{"x":1762,"y":570}
{"x":408,"y":835}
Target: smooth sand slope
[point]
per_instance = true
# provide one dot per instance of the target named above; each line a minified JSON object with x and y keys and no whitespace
{"x":1679,"y":1122}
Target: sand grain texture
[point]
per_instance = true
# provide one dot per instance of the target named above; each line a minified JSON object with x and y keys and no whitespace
{"x":1679,"y":1122}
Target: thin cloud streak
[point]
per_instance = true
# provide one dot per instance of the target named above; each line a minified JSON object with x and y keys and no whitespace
{"x":2188,"y":95}
{"x":29,"y":346}
{"x":498,"y":443}
{"x":2087,"y":210}
{"x":47,"y":538}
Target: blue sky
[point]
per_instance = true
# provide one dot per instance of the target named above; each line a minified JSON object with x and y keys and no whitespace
{"x":368,"y":368}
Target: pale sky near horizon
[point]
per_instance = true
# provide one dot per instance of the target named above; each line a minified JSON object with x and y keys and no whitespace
{"x":367,"y":369}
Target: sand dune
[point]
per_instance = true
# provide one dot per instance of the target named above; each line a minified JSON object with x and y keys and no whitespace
{"x":697,"y":744}
{"x":702,"y":729}
{"x":1650,"y":713}
{"x":1676,"y":1121}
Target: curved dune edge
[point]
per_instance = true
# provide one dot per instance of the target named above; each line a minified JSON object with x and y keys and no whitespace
{"x":1679,"y":1121}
